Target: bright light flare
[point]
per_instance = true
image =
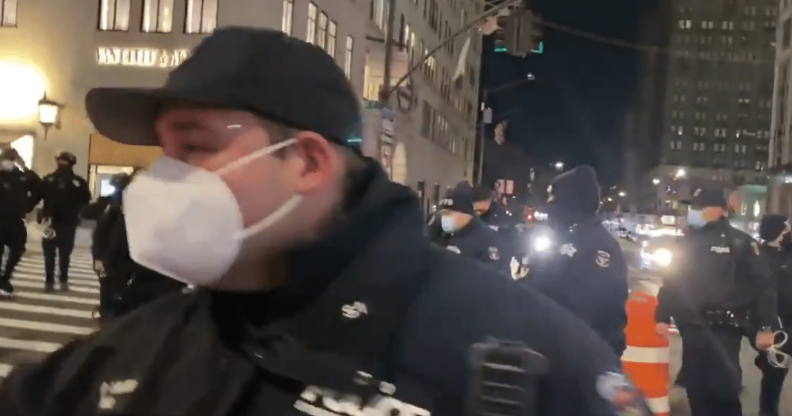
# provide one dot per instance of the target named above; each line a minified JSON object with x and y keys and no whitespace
{"x":21,"y":88}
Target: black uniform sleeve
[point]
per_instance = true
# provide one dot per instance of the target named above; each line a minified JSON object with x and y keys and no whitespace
{"x":35,"y":185}
{"x":83,"y":194}
{"x":663,"y":310}
{"x":47,"y":189}
{"x":27,"y":391}
{"x":765,"y":302}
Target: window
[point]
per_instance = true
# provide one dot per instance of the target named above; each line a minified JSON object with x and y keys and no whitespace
{"x":157,"y":16}
{"x":786,"y":33}
{"x":350,"y":46}
{"x":201,"y":16}
{"x":332,"y":38}
{"x":321,"y":32}
{"x":113,"y":14}
{"x":310,"y":37}
{"x":288,"y":16}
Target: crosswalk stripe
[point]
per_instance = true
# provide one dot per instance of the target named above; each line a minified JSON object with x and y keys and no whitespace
{"x":46,"y":327}
{"x":56,"y":298}
{"x":35,"y":269}
{"x":40,"y":285}
{"x":27,"y":345}
{"x":40,"y":278}
{"x":46,"y":310}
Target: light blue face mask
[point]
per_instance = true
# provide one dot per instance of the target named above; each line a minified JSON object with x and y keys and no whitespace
{"x":695,"y":218}
{"x":447,"y":223}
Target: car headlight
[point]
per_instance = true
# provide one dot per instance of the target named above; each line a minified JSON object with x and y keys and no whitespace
{"x":662,"y":257}
{"x":541,"y":243}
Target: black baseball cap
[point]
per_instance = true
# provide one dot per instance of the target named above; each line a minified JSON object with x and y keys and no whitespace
{"x":263,"y":71}
{"x":707,"y":194}
{"x":459,"y":199}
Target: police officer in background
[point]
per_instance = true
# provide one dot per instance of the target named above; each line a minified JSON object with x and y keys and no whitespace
{"x":318,"y":291}
{"x":774,"y":231}
{"x":64,"y":194}
{"x":722,"y":290}
{"x":463,"y":232}
{"x":19,"y":194}
{"x":585,"y":271}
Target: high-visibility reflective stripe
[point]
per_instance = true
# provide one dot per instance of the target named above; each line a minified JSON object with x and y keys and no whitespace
{"x":659,"y":405}
{"x":646,"y":355}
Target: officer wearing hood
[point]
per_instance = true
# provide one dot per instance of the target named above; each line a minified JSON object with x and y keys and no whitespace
{"x":19,"y":194}
{"x":586,"y":271}
{"x":776,"y":234}
{"x":317,"y":290}
{"x":722,"y":290}
{"x":463,"y":232}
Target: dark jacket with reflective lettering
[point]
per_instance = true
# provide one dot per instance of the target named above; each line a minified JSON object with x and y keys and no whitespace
{"x":371,"y":300}
{"x":718,"y":268}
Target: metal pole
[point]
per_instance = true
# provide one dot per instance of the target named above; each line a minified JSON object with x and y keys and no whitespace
{"x":467,"y":26}
{"x":386,"y":77}
{"x":481,"y":134}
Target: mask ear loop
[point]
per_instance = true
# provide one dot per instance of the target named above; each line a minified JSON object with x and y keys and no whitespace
{"x":253,"y":156}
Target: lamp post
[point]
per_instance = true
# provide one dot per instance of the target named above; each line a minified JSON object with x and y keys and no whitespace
{"x":559,"y":166}
{"x":49,"y":112}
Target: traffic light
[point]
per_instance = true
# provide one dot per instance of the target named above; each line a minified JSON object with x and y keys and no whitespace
{"x":519,"y":33}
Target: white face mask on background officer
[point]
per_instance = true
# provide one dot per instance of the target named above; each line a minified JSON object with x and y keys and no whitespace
{"x":237,"y":196}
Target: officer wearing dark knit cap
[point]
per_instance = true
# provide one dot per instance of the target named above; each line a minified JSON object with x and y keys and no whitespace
{"x":316,"y":290}
{"x":463,"y":232}
{"x":722,"y":290}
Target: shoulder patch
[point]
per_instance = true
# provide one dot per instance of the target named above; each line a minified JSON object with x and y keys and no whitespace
{"x":603,"y":259}
{"x":493,"y":253}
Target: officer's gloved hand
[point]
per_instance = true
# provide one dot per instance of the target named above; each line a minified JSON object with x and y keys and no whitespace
{"x":518,"y":269}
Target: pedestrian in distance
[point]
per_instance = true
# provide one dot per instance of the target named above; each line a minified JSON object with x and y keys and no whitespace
{"x":317,"y":289}
{"x":64,"y":194}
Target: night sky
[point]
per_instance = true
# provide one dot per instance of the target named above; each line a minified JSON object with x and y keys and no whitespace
{"x":574,"y":109}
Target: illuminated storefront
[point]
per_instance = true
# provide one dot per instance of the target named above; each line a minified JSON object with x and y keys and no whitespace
{"x":108,"y":158}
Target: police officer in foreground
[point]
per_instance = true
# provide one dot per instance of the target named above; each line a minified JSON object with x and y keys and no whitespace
{"x":19,"y":194}
{"x":463,"y":233}
{"x":64,"y":194}
{"x":776,"y":235}
{"x":722,"y":289}
{"x":585,"y":270}
{"x":318,"y":292}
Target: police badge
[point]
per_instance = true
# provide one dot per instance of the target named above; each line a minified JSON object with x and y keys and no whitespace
{"x":493,"y":253}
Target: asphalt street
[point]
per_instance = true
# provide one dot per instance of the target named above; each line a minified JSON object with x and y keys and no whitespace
{"x":37,"y":323}
{"x":751,"y":375}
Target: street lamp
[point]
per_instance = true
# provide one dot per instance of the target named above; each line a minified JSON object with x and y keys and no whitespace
{"x":559,"y":165}
{"x":680,"y":173}
{"x":622,"y":194}
{"x":49,"y":112}
{"x":656,"y":181}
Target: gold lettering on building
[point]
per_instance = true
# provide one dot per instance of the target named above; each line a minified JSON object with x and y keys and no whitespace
{"x":141,"y":57}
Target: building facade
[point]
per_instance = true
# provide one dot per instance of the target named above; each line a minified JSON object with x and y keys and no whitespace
{"x":719,"y":92}
{"x":432,"y":117}
{"x":63,"y":49}
{"x":780,"y":159}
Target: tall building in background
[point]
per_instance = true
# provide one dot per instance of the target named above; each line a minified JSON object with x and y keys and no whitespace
{"x":780,"y":158}
{"x":644,"y":124}
{"x":719,"y":89}
{"x":433,"y":118}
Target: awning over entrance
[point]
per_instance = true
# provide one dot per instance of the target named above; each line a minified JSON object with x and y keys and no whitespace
{"x":103,"y":151}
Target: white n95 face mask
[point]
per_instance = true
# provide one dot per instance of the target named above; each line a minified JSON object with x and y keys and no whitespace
{"x":184,"y":222}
